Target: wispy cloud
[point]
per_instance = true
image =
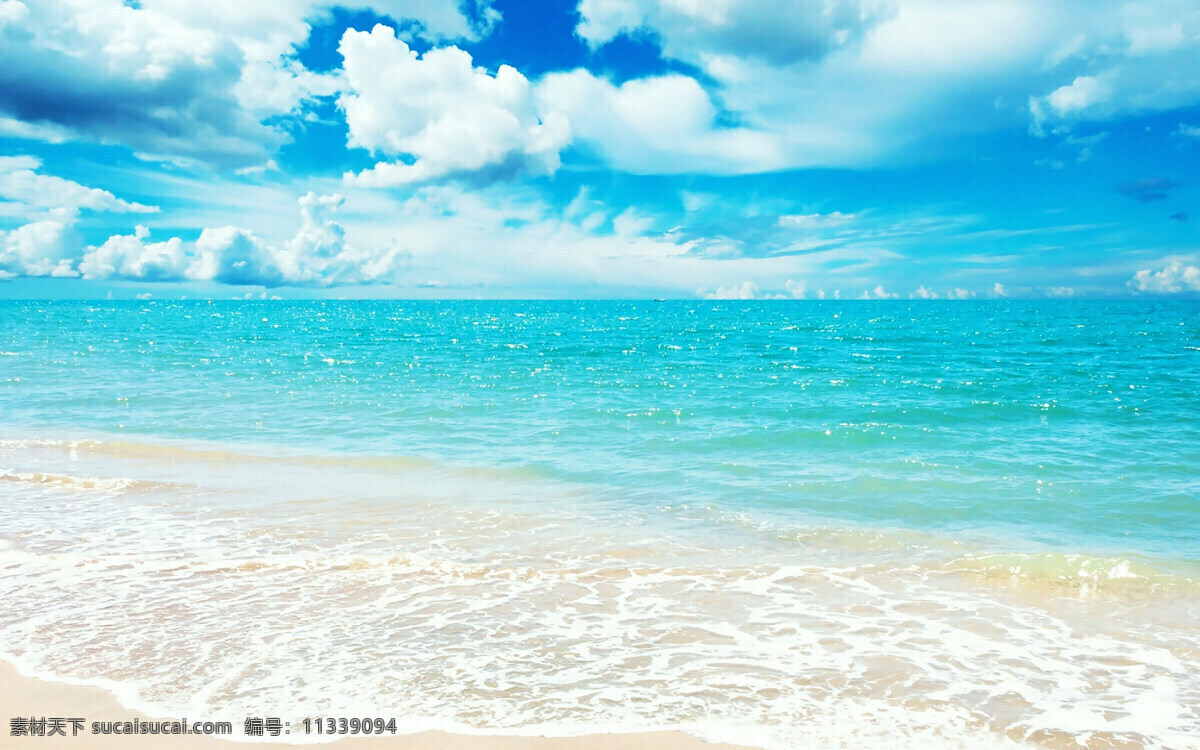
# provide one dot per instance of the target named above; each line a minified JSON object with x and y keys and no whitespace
{"x":1147,"y":189}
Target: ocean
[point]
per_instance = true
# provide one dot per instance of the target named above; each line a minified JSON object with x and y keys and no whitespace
{"x":785,"y":524}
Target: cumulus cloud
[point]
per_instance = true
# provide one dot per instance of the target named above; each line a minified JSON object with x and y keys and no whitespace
{"x":35,"y":249}
{"x":319,"y":237}
{"x":664,"y":124}
{"x":822,"y":84}
{"x":779,"y":86}
{"x":858,"y":83}
{"x":179,"y":80}
{"x":131,"y":257}
{"x":878,"y":293}
{"x":440,"y":114}
{"x":924,"y":292}
{"x":1081,"y":94}
{"x":50,"y":207}
{"x":745,"y":290}
{"x":1173,"y":278}
{"x":750,"y":290}
{"x":111,"y":72}
{"x":318,"y":255}
{"x":235,"y":256}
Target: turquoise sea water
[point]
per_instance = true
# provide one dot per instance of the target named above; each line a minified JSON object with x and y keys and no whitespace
{"x":936,"y":522}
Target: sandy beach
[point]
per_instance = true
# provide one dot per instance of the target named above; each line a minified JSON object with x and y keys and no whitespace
{"x":23,"y":696}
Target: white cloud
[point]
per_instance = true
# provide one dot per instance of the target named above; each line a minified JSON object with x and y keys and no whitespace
{"x":939,"y":38}
{"x":384,"y":264}
{"x":924,"y":292}
{"x":693,"y":201}
{"x":1156,"y":38}
{"x":110,"y":72}
{"x":745,"y":290}
{"x":631,"y":222}
{"x":269,"y":166}
{"x":998,"y":290}
{"x":1173,"y":278}
{"x":11,"y":127}
{"x":831,"y":83}
{"x":660,"y":125}
{"x":818,"y":84}
{"x":15,"y":163}
{"x":235,"y":256}
{"x":878,"y":293}
{"x":317,"y":255}
{"x":1071,"y":102}
{"x":131,"y":257}
{"x":1192,"y":131}
{"x":35,"y":249}
{"x":50,"y":205}
{"x":304,"y":258}
{"x":179,"y":80}
{"x":1135,"y":57}
{"x":816,"y":221}
{"x":750,"y":290}
{"x":780,"y":33}
{"x":277,"y":24}
{"x":445,"y":116}
{"x":857,"y":83}
{"x":31,"y":195}
{"x":1083,"y":92}
{"x":503,"y":240}
{"x":585,"y":211}
{"x":12,"y":11}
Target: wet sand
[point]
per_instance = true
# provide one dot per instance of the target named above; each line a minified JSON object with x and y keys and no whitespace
{"x":22,"y":696}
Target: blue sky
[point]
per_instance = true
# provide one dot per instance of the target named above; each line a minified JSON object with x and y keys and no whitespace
{"x":599,"y":148}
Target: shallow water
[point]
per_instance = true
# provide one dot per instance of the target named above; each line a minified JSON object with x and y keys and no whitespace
{"x":787,"y":524}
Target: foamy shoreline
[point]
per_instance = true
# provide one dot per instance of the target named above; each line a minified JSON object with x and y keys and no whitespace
{"x":22,"y":696}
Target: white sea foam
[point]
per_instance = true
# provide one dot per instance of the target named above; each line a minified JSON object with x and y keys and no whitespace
{"x":455,"y":601}
{"x":80,"y":484}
